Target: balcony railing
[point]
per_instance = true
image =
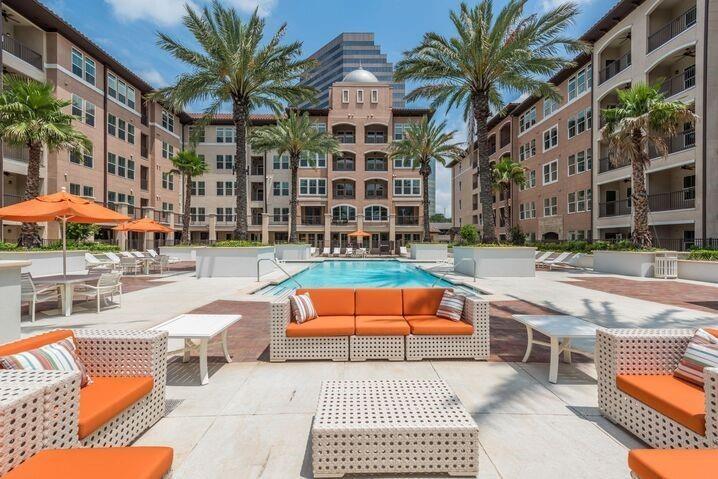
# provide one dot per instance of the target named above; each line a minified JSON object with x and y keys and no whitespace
{"x":256,"y":220}
{"x":614,"y":208}
{"x":614,"y":68}
{"x":683,"y":141}
{"x":343,"y":196}
{"x":24,"y":53}
{"x":339,"y":166}
{"x":278,"y":220}
{"x":678,"y":83}
{"x":672,"y":29}
{"x":345,"y":138}
{"x":375,"y":139}
{"x":605,"y":164}
{"x":144,"y":184}
{"x":407,"y":220}
{"x":342,"y":221}
{"x":257,"y":170}
{"x":674,"y":200}
{"x":11,"y":199}
{"x":313,"y":220}
{"x":374,"y":196}
{"x":16,"y":152}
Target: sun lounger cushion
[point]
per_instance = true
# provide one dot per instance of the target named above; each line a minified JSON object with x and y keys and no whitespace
{"x":58,"y":356}
{"x":302,"y":308}
{"x":673,"y":464}
{"x":105,"y":463}
{"x":451,"y":306}
{"x":382,"y":325}
{"x":434,"y":325}
{"x":331,"y":301}
{"x":107,"y":397}
{"x":322,"y":326}
{"x":34,"y":342}
{"x":679,"y":400}
{"x":702,"y":352}
{"x":379,"y":302}
{"x":422,"y":301}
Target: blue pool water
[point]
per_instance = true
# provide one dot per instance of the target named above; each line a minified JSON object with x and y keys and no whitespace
{"x":359,"y":274}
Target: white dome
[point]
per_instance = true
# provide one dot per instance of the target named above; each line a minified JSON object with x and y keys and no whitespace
{"x":360,"y":76}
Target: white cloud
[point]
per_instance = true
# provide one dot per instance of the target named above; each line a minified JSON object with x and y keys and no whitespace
{"x":550,"y":4}
{"x":265,"y":6}
{"x":153,"y":77}
{"x":162,"y":12}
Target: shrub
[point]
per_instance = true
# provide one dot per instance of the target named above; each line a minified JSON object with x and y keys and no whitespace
{"x":236,"y":244}
{"x":469,"y":234}
{"x":517,"y":237}
{"x":704,"y":254}
{"x":81,"y":231}
{"x":57,"y":246}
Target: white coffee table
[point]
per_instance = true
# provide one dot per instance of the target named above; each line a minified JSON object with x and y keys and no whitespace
{"x":561,"y":330}
{"x":201,"y":328}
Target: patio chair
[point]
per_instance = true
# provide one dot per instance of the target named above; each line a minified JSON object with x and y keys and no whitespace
{"x":326,"y":252}
{"x":403,"y":251}
{"x":558,"y":260}
{"x":152,"y":253}
{"x":114,"y":259}
{"x":337,"y":251}
{"x":542,"y":256}
{"x":107,"y":285}
{"x":129,"y":265}
{"x":312,"y":251}
{"x":94,"y":264}
{"x":361,"y":252}
{"x":349,"y":251}
{"x":138,"y":254}
{"x":29,"y":293}
{"x":126,"y":254}
{"x":161,"y":263}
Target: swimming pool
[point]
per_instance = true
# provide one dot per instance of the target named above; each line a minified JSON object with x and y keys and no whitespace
{"x":360,"y":274}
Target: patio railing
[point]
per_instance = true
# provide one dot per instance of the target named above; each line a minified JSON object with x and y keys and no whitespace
{"x":22,"y":51}
{"x":674,"y":200}
{"x":672,"y":29}
{"x":614,"y":68}
{"x":614,"y":208}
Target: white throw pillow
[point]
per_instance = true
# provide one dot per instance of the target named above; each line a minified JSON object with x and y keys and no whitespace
{"x":302,"y":308}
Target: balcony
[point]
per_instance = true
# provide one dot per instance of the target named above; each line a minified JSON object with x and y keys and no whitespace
{"x":16,"y":152}
{"x":674,"y":200}
{"x":24,"y":53}
{"x":614,"y":68}
{"x":614,"y":208}
{"x":683,"y":141}
{"x":672,"y":29}
{"x":11,"y":199}
{"x":310,"y":220}
{"x":407,"y":220}
{"x":279,"y":220}
{"x":680,"y":82}
{"x":605,"y":164}
{"x":342,"y":221}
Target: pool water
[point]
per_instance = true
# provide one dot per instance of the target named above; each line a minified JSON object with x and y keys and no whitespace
{"x":360,"y":274}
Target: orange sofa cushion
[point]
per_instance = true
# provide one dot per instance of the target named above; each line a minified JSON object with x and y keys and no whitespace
{"x":105,"y":463}
{"x":382,"y":325}
{"x":379,"y":302}
{"x":331,"y":301}
{"x":431,"y":324}
{"x":673,"y":464}
{"x":107,"y":397}
{"x":422,"y":301}
{"x":674,"y":398}
{"x":35,"y":342}
{"x":322,"y":326}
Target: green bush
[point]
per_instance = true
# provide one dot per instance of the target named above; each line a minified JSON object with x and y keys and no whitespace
{"x":236,"y":244}
{"x":469,"y":234}
{"x":516,"y":236}
{"x":81,"y":231}
{"x":580,"y":246}
{"x":704,"y":254}
{"x":57,"y":246}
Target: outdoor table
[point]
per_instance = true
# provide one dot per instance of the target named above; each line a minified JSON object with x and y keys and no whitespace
{"x":146,"y":262}
{"x":561,"y":330}
{"x":200,"y":327}
{"x":67,"y":283}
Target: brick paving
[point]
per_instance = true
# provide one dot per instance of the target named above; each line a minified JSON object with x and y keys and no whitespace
{"x":674,"y":293}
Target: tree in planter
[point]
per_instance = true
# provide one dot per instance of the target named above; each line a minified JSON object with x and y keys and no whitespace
{"x":190,"y":165}
{"x":295,"y":135}
{"x":31,"y":116}
{"x":642,"y":120}
{"x":423,"y":142}
{"x":235,"y":64}
{"x":488,"y":54}
{"x":505,"y":174}
{"x":469,"y":234}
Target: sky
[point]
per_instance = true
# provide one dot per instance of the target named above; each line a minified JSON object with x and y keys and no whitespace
{"x":127,"y":29}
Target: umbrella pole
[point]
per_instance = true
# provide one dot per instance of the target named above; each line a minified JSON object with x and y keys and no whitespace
{"x":63,"y":221}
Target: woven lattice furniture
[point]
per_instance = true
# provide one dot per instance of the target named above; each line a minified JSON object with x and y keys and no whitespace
{"x":362,"y":348}
{"x":650,"y":352}
{"x":392,"y":427}
{"x":21,"y":418}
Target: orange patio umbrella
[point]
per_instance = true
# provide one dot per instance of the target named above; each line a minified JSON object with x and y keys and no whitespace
{"x":143,"y":225}
{"x":61,"y":207}
{"x":360,"y":234}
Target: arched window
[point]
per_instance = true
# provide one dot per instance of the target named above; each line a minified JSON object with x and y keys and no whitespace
{"x":375,"y":213}
{"x":344,"y":214}
{"x":375,"y":189}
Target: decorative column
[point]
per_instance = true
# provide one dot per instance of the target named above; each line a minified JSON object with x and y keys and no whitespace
{"x":170,"y":237}
{"x":392,"y":228}
{"x":327,"y":230}
{"x":265,"y":228}
{"x":122,"y":235}
{"x":212,"y":227}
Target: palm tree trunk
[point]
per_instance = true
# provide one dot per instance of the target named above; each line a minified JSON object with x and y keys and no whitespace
{"x":508,"y":208}
{"x":294,"y":163}
{"x":186,"y":209}
{"x":240,"y":114}
{"x":425,"y":171}
{"x":641,"y":236}
{"x":480,"y":106}
{"x":29,"y":236}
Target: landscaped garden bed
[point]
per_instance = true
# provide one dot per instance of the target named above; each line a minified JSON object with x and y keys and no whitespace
{"x":701,"y":265}
{"x":495,"y":261}
{"x":429,"y":251}
{"x":47,"y":260}
{"x":234,"y":259}
{"x":293,"y":251}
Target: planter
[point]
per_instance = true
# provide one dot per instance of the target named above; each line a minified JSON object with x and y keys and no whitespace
{"x":233,"y":262}
{"x":182,"y":253}
{"x":629,"y":263}
{"x":46,"y":263}
{"x":292,"y":252}
{"x":429,"y":252}
{"x":10,"y":299}
{"x":495,"y":261}
{"x":698,"y":270}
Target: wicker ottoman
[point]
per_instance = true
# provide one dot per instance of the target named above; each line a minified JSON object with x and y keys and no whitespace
{"x":392,"y":427}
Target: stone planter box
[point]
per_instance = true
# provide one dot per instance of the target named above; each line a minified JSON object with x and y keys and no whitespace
{"x":584,"y":261}
{"x":233,"y":262}
{"x":292,"y":252}
{"x":698,"y":270}
{"x":10,"y":299}
{"x":46,"y":263}
{"x":629,"y":263}
{"x":495,"y":262}
{"x":429,"y":252}
{"x":183,"y":253}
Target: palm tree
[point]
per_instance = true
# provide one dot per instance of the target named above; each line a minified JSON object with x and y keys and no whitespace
{"x":641,"y":120}
{"x":295,"y":135}
{"x":31,"y":116}
{"x":507,"y":173}
{"x":234,"y":64}
{"x":423,"y":142}
{"x":489,"y":54}
{"x":189,"y":164}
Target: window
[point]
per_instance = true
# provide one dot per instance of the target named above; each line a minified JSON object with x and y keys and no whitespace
{"x":121,"y":129}
{"x":407,"y":187}
{"x":88,"y":191}
{"x":197,"y":215}
{"x":168,"y":121}
{"x":280,"y":188}
{"x":399,"y":130}
{"x":198,"y":188}
{"x":579,"y":123}
{"x":83,"y":110}
{"x":527,"y":211}
{"x":689,"y":187}
{"x":530,"y":180}
{"x":168,"y":151}
{"x":313,"y":186}
{"x":74,"y":189}
{"x":225,"y":214}
{"x":550,"y":206}
{"x":120,"y":166}
{"x":320,"y":127}
{"x":120,"y":90}
{"x":375,"y":213}
{"x":580,"y":162}
{"x":527,"y":150}
{"x":112,"y":125}
{"x":313,"y":160}
{"x":580,"y":82}
{"x":225,"y":134}
{"x":375,"y":164}
{"x":550,"y":172}
{"x":82,"y":158}
{"x":579,"y":201}
{"x":528,"y":119}
{"x":549,"y":106}
{"x":375,"y":96}
{"x":281,"y":215}
{"x":403,"y":163}
{"x":130,"y":133}
{"x":375,"y":189}
{"x":83,"y":66}
{"x":281,"y":163}
{"x":360,"y":96}
{"x":168,"y":181}
{"x":550,"y":138}
{"x":196,"y":134}
{"x":345,"y":96}
{"x":343,"y":163}
{"x":225,"y":188}
{"x":343,"y":213}
{"x":224,"y":162}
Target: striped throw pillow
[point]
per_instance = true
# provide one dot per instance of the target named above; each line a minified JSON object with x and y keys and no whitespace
{"x":59,"y":356}
{"x":451,"y":306}
{"x":302,"y":307}
{"x":702,"y":352}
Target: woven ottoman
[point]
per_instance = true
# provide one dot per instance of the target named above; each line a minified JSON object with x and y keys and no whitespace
{"x":392,"y":427}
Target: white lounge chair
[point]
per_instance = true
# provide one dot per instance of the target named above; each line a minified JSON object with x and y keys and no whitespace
{"x":114,"y":259}
{"x":29,"y":293}
{"x":138,"y":254}
{"x":361,"y":252}
{"x":542,"y":256}
{"x":560,"y":259}
{"x":349,"y":251}
{"x":126,"y":254}
{"x":108,"y":285}
{"x":337,"y":251}
{"x":161,"y":263}
{"x":94,"y":264}
{"x":152,"y":253}
{"x":403,"y":251}
{"x":326,"y":252}
{"x":312,"y":251}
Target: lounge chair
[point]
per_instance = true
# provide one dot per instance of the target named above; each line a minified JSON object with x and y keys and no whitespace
{"x":542,"y":256}
{"x":326,"y":252}
{"x":349,"y":251}
{"x":108,"y":285}
{"x":558,"y":260}
{"x":152,"y":253}
{"x":29,"y":293}
{"x":337,"y":251}
{"x":138,"y":254}
{"x":94,"y":264}
{"x":129,"y":264}
{"x":312,"y":251}
{"x":114,"y":259}
{"x":361,"y":252}
{"x":403,"y":251}
{"x":161,"y":263}
{"x":127,"y":254}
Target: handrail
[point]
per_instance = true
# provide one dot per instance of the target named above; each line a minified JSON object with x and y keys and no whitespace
{"x":278,"y":266}
{"x":439,"y":278}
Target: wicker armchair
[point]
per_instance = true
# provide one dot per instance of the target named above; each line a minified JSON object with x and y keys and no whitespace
{"x":650,"y":352}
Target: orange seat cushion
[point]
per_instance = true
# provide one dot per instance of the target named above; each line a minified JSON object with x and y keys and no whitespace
{"x":383,"y":325}
{"x":35,"y":342}
{"x":331,"y":301}
{"x":322,"y":326}
{"x":105,"y":463}
{"x":422,"y":301}
{"x":431,"y":324}
{"x":107,"y":397}
{"x":673,"y":464}
{"x":379,"y":302}
{"x":674,"y":398}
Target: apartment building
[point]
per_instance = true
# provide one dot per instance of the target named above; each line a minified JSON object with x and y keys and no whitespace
{"x":358,"y":188}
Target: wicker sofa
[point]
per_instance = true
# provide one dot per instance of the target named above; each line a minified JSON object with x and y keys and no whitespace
{"x":127,"y":396}
{"x":379,"y":323}
{"x":637,"y":389}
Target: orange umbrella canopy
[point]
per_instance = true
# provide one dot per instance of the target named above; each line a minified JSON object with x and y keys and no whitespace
{"x":144,"y":225}
{"x":60,"y":205}
{"x":359,"y":233}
